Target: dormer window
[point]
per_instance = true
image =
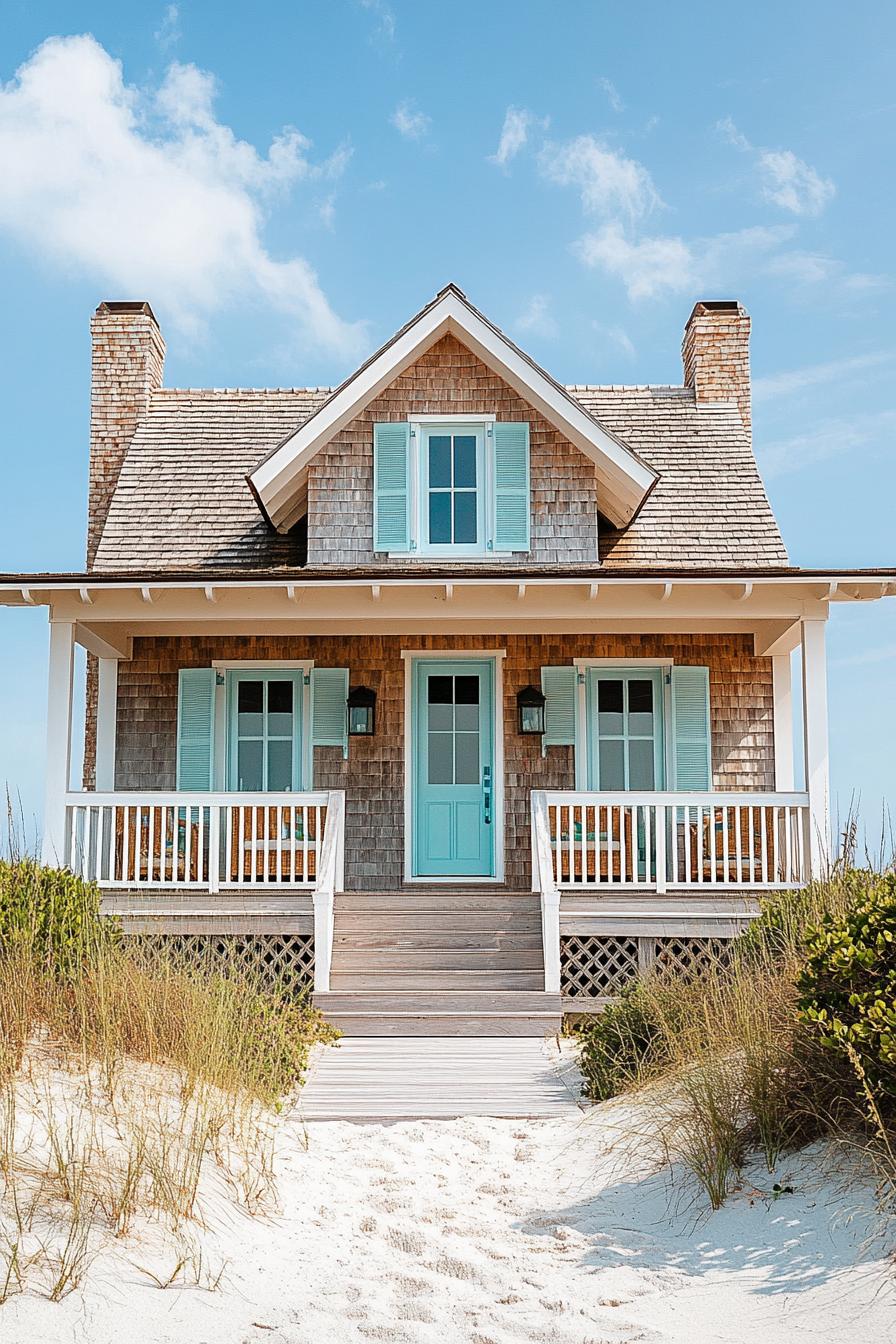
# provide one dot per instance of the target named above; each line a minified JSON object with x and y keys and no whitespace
{"x":453,"y":487}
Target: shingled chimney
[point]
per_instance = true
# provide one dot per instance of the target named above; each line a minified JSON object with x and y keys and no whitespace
{"x":128,"y":356}
{"x":716,"y":354}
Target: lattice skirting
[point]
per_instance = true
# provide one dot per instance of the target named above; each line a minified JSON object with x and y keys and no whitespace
{"x":594,"y":967}
{"x":282,"y":962}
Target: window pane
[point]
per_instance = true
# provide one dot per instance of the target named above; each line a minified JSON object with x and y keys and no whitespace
{"x":280,"y":697}
{"x":465,"y":518}
{"x":464,"y":460}
{"x":440,"y":518}
{"x":441,"y":718}
{"x":441,"y":762}
{"x":466,"y":690}
{"x":279,"y":766}
{"x":609,"y":707}
{"x":440,"y":460}
{"x":610,"y":764}
{"x":640,"y":708}
{"x":248,"y":766}
{"x":640,"y":765}
{"x":466,"y":748}
{"x":440,"y":691}
{"x":250,"y":697}
{"x":466,"y":718}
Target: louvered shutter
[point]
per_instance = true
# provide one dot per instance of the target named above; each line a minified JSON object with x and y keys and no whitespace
{"x":510,"y":528}
{"x":195,"y":728}
{"x":329,"y":707}
{"x":391,"y":487}
{"x":691,"y":751}
{"x":558,"y":685}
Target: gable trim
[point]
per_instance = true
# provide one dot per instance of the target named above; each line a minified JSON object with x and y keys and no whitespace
{"x":279,"y":482}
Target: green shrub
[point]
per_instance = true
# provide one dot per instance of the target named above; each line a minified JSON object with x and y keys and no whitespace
{"x":621,"y":1044}
{"x":52,"y":914}
{"x":848,"y":986}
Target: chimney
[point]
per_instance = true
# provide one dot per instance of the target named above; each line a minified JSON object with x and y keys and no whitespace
{"x":716,"y":354}
{"x":128,"y":356}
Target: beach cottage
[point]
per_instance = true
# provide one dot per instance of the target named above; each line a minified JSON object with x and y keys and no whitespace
{"x":458,"y":691}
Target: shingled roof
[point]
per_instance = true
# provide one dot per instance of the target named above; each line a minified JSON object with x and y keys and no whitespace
{"x":182,"y":500}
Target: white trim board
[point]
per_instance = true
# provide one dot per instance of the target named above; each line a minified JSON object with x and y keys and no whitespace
{"x":280,"y":481}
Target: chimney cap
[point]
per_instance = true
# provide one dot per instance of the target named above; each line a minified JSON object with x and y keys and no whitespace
{"x":127,"y":306}
{"x":716,"y":306}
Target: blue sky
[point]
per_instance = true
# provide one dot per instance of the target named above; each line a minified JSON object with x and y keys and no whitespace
{"x":287,"y":183}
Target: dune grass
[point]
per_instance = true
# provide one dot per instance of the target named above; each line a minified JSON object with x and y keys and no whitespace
{"x":730,"y":1061}
{"x":129,"y":1082}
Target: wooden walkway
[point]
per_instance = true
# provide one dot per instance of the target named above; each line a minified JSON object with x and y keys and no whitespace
{"x":379,"y":1078}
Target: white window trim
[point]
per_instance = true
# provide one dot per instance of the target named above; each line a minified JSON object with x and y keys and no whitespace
{"x":482,"y":424}
{"x":304,"y":665}
{"x":581,"y":747}
{"x":410,"y":657}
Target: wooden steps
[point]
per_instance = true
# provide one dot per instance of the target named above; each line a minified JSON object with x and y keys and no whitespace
{"x":439,"y":961}
{"x":442,"y":1013}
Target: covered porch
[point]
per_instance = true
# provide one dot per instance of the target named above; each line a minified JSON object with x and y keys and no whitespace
{"x":628,"y":868}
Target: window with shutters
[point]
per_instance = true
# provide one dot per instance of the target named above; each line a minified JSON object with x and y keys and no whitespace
{"x":455,"y":488}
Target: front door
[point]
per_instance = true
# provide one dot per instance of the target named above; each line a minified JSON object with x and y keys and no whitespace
{"x":452,"y":741}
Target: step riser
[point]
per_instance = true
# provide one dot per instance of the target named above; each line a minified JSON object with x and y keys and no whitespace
{"x":435,"y":959}
{"x":350,"y":926}
{"x":397,"y":981}
{"x":411,"y":903}
{"x":420,"y":1003}
{"x":426,"y":939}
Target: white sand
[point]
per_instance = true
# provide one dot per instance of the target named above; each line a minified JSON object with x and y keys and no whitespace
{"x":442,"y":1232}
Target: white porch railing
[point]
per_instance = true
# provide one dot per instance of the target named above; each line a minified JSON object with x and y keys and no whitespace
{"x":214,"y":842}
{"x":670,"y":841}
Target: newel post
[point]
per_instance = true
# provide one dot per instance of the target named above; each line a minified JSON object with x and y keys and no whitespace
{"x":60,"y":685}
{"x":815,"y":726}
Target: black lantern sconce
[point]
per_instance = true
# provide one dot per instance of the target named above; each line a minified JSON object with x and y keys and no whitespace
{"x":530,"y":709}
{"x":361,"y":712}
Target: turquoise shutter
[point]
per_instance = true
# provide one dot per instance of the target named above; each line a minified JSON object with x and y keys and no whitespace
{"x":558,"y":686}
{"x":391,"y":488}
{"x":329,"y":710}
{"x":510,"y":530}
{"x":691,"y":749}
{"x":195,"y":728}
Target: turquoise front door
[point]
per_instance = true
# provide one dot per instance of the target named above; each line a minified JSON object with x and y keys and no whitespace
{"x":452,"y":741}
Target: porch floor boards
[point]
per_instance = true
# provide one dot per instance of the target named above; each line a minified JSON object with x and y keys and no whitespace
{"x":432,"y":1077}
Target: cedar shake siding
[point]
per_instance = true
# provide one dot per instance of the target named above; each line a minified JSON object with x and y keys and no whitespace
{"x":450,"y":380}
{"x":373,"y":776}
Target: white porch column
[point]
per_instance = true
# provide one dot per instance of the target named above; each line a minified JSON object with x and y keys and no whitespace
{"x":106,"y":721}
{"x":782,"y":691}
{"x":815,"y":733}
{"x":60,"y":686}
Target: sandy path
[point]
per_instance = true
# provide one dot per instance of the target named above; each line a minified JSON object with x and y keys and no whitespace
{"x":491,"y":1231}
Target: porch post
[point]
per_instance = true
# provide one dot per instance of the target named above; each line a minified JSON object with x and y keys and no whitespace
{"x":106,"y":722}
{"x":60,"y":684}
{"x":782,"y":691}
{"x":815,"y":733}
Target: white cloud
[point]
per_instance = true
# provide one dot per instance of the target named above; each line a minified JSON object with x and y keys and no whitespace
{"x":665,"y":264}
{"x":813,"y":375}
{"x":409,"y":122}
{"x":536,"y":318}
{"x":148,"y":193}
{"x":514,"y":134}
{"x":385,"y":18}
{"x":784,"y":179}
{"x":609,"y":183}
{"x":168,"y":32}
{"x":831,"y":438}
{"x":609,"y":88}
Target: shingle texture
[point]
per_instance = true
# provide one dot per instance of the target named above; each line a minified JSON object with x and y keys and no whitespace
{"x":182,"y":501}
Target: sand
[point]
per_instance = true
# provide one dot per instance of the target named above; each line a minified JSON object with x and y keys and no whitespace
{"x":491,"y":1231}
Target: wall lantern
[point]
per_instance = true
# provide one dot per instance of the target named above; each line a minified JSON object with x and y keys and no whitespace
{"x":530,"y":708}
{"x":361,"y":712}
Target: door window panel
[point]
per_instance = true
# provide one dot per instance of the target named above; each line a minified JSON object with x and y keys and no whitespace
{"x":266,"y":724}
{"x":453,"y":730}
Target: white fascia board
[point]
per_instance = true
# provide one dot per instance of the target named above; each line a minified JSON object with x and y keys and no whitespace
{"x":626,"y":479}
